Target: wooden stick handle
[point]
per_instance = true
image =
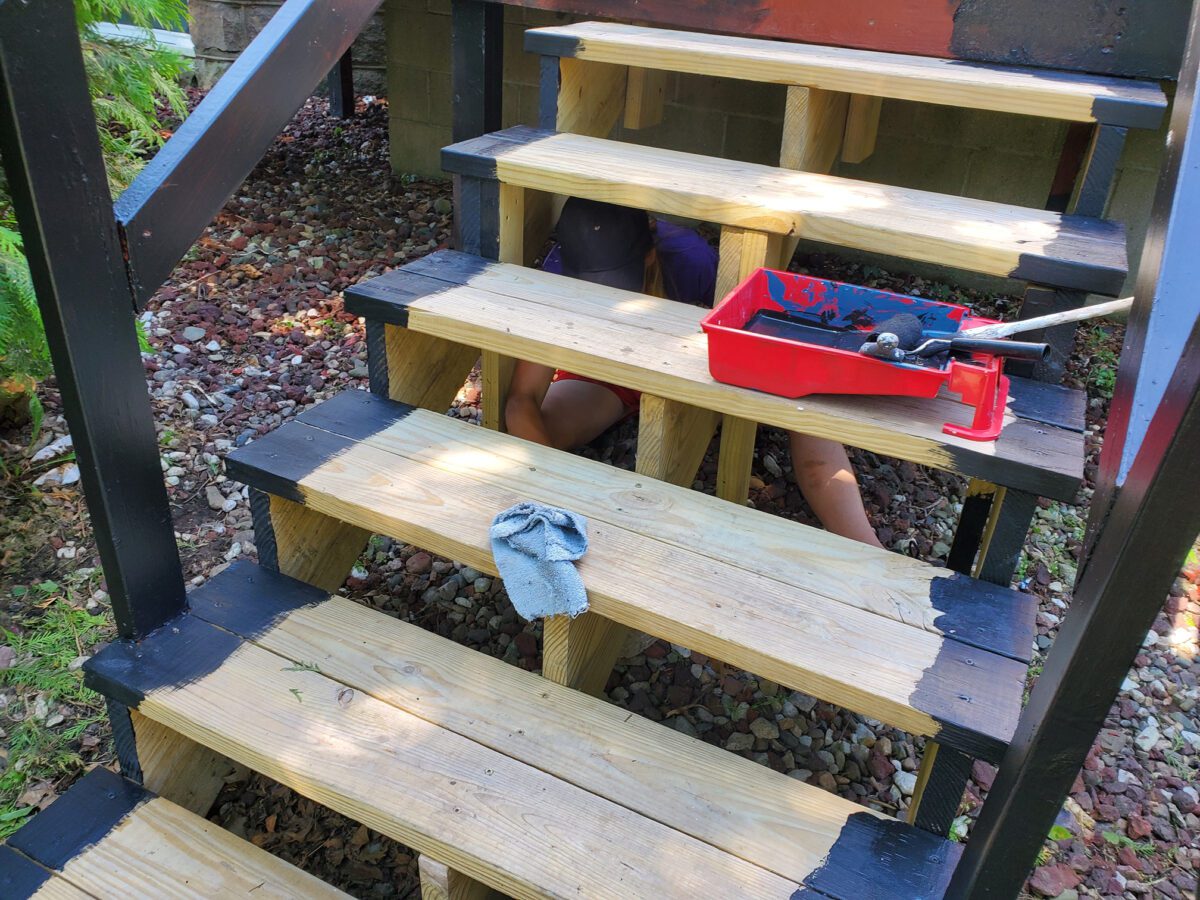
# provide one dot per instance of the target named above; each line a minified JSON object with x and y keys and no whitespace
{"x":1004,"y":329}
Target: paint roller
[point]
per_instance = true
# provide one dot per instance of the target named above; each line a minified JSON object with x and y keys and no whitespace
{"x":902,"y":336}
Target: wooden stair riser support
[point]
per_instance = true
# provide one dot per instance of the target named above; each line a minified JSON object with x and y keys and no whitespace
{"x":645,"y":93}
{"x":440,"y":882}
{"x":862,"y":127}
{"x":175,"y":768}
{"x":310,"y":547}
{"x":426,"y":371}
{"x":672,"y":440}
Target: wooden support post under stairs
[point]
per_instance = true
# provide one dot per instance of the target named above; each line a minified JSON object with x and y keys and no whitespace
{"x":177,"y":768}
{"x":814,"y":123}
{"x":672,"y":440}
{"x":423,"y":370}
{"x":742,"y":251}
{"x":440,"y":882}
{"x":987,"y":546}
{"x":862,"y":127}
{"x":645,"y":91}
{"x":306,"y":545}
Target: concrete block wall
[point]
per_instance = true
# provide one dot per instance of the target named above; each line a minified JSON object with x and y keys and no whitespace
{"x":221,"y":29}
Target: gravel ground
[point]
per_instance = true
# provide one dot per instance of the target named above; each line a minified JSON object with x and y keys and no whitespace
{"x":250,"y":330}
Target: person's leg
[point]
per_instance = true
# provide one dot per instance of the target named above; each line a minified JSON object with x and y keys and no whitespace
{"x":828,"y":483}
{"x":575,"y":413}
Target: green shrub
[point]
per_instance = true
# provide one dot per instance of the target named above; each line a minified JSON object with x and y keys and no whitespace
{"x":131,"y":81}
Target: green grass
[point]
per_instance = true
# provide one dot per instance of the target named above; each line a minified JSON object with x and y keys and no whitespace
{"x":53,"y":638}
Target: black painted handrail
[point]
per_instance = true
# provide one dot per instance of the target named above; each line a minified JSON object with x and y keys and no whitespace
{"x":180,"y":191}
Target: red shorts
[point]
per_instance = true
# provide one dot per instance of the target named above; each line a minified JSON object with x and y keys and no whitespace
{"x":629,"y":398}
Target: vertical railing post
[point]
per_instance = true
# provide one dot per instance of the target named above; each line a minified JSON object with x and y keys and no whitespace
{"x":56,"y":174}
{"x":477,"y":60}
{"x":1139,"y":535}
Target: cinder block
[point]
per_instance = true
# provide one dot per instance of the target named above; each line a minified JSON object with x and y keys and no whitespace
{"x":915,"y":164}
{"x":416,"y":147}
{"x":519,"y":66}
{"x":1010,"y":177}
{"x":731,"y":95}
{"x":420,"y":40}
{"x":753,"y":139}
{"x":409,"y":93}
{"x":682,"y":128}
{"x":441,"y":99}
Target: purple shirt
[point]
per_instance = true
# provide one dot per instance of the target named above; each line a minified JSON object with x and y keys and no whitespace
{"x":689,"y":264}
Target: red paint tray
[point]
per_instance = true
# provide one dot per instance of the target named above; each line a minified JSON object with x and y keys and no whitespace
{"x":823,"y":359}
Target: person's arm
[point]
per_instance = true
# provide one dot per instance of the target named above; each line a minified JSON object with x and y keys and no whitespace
{"x":523,"y":409}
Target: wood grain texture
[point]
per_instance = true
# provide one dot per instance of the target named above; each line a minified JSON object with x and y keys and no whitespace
{"x":672,"y":439}
{"x":976,"y":235}
{"x":1034,"y":92}
{"x":723,"y":799}
{"x":58,"y":888}
{"x":440,"y":882}
{"x":162,"y":850}
{"x":493,"y":818}
{"x":407,"y":483}
{"x":580,"y":653}
{"x":645,"y":92}
{"x":862,"y":127}
{"x":424,"y":370}
{"x":314,"y":548}
{"x":496,"y":371}
{"x":735,"y":458}
{"x":814,"y":122}
{"x":178,"y":769}
{"x":591,"y":97}
{"x":512,"y":224}
{"x":742,"y":252}
{"x":655,"y":346}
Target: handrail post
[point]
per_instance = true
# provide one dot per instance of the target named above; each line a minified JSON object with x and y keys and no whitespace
{"x":1140,"y":534}
{"x":56,"y":174}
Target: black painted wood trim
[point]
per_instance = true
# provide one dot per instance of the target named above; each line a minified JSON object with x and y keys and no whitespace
{"x":477,"y":67}
{"x":124,"y":740}
{"x":341,"y":87}
{"x":56,"y":175}
{"x":264,"y":530}
{"x":548,"y":92}
{"x":1008,"y":538}
{"x":1100,"y":170}
{"x":377,"y":360}
{"x":943,"y":791}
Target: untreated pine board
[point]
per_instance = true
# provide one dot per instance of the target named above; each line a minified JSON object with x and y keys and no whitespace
{"x":813,"y":124}
{"x":862,"y":127}
{"x":778,"y":823}
{"x":493,"y":818}
{"x":937,"y":686}
{"x":440,"y":882}
{"x":1034,"y":92}
{"x":655,"y":346}
{"x":906,"y":590}
{"x":311,"y":548}
{"x":645,"y":92}
{"x":976,"y":235}
{"x":178,"y":769}
{"x":111,"y":838}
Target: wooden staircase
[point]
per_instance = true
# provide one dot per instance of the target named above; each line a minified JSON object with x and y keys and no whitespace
{"x":529,"y":784}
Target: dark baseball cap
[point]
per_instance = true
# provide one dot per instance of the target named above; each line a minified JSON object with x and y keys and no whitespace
{"x":604,"y":243}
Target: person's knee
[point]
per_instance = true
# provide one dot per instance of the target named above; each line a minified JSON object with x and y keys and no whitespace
{"x":518,"y":415}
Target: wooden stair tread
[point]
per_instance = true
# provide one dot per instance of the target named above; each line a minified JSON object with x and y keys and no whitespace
{"x":656,"y":346}
{"x":977,"y":235}
{"x":1037,"y":92}
{"x":108,"y":837}
{"x":478,"y":763}
{"x":435,"y":482}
